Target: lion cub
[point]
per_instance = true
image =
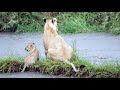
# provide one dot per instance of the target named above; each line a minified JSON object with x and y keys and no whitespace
{"x":33,"y":55}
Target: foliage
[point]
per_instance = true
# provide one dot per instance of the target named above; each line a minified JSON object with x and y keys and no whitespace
{"x":60,"y":68}
{"x":69,"y":22}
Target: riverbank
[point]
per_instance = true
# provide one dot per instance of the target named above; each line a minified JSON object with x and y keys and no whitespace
{"x":12,"y":65}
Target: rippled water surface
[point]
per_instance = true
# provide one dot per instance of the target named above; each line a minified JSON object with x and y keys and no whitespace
{"x":98,"y":48}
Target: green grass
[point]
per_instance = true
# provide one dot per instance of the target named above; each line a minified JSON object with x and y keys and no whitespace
{"x":59,"y":68}
{"x":72,"y":22}
{"x":34,"y":26}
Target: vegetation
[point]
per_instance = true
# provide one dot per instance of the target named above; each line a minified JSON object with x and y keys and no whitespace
{"x":69,"y":22}
{"x":60,"y":68}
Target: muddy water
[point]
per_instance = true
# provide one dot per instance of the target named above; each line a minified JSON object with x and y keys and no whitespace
{"x":98,"y":48}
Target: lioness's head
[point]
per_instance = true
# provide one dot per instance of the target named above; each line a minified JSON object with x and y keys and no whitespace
{"x":30,"y":46}
{"x":50,"y":24}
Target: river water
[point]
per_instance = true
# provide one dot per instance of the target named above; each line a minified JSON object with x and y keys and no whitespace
{"x":98,"y":48}
{"x":30,"y":75}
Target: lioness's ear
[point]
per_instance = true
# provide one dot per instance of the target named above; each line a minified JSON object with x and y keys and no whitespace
{"x":33,"y":43}
{"x":54,"y":19}
{"x":44,"y":19}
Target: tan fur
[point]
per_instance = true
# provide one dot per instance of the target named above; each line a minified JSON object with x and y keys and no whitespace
{"x":33,"y":55}
{"x":55,"y":46}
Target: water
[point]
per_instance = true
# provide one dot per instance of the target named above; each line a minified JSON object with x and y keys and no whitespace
{"x":29,"y":75}
{"x":98,"y":48}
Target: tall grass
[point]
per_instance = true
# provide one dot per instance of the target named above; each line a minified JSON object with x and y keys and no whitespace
{"x":69,"y":22}
{"x":90,"y":22}
{"x":28,"y":24}
{"x":75,"y":23}
{"x":34,"y":26}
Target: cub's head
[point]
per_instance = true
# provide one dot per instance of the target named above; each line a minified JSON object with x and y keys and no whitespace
{"x":30,"y":46}
{"x":50,"y":24}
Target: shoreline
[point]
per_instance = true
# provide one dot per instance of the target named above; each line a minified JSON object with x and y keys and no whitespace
{"x":56,"y":68}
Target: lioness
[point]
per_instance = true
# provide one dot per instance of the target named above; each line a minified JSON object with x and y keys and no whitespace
{"x":55,"y":46}
{"x":33,"y":55}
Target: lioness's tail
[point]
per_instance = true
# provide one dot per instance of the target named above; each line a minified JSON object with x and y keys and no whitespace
{"x":24,"y":68}
{"x":73,"y":66}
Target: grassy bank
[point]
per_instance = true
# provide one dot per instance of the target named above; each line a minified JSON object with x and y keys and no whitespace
{"x":59,"y":68}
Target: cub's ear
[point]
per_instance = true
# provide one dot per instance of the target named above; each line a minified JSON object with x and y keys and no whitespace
{"x":44,"y":19}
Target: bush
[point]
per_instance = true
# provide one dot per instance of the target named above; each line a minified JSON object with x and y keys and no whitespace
{"x":69,"y":22}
